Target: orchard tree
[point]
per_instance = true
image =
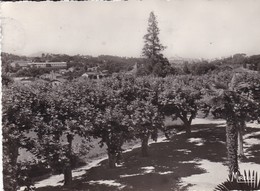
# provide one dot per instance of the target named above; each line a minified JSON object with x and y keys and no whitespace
{"x":62,"y":115}
{"x":112,"y":127}
{"x":144,"y":113}
{"x":156,"y":63}
{"x":111,"y":121}
{"x":44,"y":120}
{"x":181,"y":99}
{"x":146,"y":121}
{"x":18,"y":121}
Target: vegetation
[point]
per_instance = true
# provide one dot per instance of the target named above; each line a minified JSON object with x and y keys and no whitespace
{"x":156,"y":63}
{"x":113,"y":64}
{"x":116,"y":110}
{"x":17,"y":120}
{"x":237,"y":102}
{"x":181,"y":99}
{"x":57,"y":124}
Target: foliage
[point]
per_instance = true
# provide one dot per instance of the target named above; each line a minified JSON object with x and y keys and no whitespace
{"x":144,"y":111}
{"x":110,"y":121}
{"x":181,"y":98}
{"x":55,"y":123}
{"x":156,"y":64}
{"x":152,"y":46}
{"x":81,"y":63}
{"x":31,"y":72}
{"x":23,"y":176}
{"x":252,"y":62}
{"x":62,"y":117}
{"x":202,"y":68}
{"x":7,"y":59}
{"x":17,"y":120}
{"x":45,"y":121}
{"x":6,"y":80}
{"x":237,"y":96}
{"x":236,"y":101}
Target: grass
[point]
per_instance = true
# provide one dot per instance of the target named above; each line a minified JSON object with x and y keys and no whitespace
{"x":171,"y":161}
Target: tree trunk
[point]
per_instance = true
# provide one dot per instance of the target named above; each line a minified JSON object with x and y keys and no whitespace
{"x":112,"y":160}
{"x":67,"y":175}
{"x":240,"y":143}
{"x":119,"y":156}
{"x":10,"y":152}
{"x":68,"y":170}
{"x":114,"y":143}
{"x":187,"y":123}
{"x":144,"y":148}
{"x":241,"y":128}
{"x":231,"y":140}
{"x":187,"y":126}
{"x":167,"y":135}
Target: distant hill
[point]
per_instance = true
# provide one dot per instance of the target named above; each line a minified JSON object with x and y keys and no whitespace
{"x":38,"y":54}
{"x":113,"y":64}
{"x":181,"y":60}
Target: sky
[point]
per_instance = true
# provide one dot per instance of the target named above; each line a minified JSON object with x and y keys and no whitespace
{"x":191,"y":29}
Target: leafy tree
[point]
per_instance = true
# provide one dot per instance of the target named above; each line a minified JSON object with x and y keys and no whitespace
{"x":63,"y":115}
{"x":181,"y":99}
{"x":6,"y":80}
{"x":145,"y":115}
{"x":111,"y":122}
{"x":17,"y":120}
{"x":157,"y":63}
{"x":146,"y":121}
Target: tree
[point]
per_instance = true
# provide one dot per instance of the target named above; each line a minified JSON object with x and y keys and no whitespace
{"x":157,"y":63}
{"x":111,"y":121}
{"x":17,"y":120}
{"x":186,"y":69}
{"x":143,"y":110}
{"x":237,"y":102}
{"x":63,"y":114}
{"x":202,"y":67}
{"x":6,"y":80}
{"x":146,"y":121}
{"x":181,"y":99}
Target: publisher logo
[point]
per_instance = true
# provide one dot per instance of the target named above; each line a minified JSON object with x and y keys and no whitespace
{"x":243,"y":179}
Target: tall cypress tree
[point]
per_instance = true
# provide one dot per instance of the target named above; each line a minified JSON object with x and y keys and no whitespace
{"x":152,"y":49}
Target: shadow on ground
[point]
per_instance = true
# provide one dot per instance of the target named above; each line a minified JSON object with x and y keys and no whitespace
{"x":167,"y":163}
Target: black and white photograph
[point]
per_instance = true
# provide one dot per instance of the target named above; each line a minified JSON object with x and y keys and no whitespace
{"x":137,"y":95}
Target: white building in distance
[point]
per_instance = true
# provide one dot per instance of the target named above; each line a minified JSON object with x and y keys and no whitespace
{"x":27,"y":64}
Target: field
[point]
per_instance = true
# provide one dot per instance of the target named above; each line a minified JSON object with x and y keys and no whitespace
{"x":182,"y":163}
